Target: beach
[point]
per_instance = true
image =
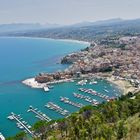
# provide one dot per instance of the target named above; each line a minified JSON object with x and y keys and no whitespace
{"x":63,"y":40}
{"x":75,"y":41}
{"x":124,"y":85}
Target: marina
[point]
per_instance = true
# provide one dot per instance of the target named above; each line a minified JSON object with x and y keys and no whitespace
{"x":67,"y":101}
{"x":93,"y":92}
{"x":21,"y":124}
{"x":87,"y":99}
{"x":39,"y":114}
{"x":58,"y":109}
{"x":63,"y":100}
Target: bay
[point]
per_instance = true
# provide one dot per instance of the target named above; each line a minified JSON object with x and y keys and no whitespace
{"x":21,"y":58}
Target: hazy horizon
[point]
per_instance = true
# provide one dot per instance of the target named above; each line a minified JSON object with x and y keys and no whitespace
{"x":69,"y":23}
{"x":66,"y":12}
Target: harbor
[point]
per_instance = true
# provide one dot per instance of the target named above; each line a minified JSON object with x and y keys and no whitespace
{"x":39,"y":114}
{"x":93,"y":92}
{"x":86,"y":98}
{"x":68,"y":101}
{"x":71,"y":101}
{"x":64,"y":104}
{"x":56,"y":108}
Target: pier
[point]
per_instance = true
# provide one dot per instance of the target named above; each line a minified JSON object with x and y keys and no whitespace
{"x":67,"y":101}
{"x":39,"y":114}
{"x":86,"y":98}
{"x":22,"y":124}
{"x":57,"y":108}
{"x":92,"y":92}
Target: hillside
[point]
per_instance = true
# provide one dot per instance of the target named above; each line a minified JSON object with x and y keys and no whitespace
{"x":24,"y":27}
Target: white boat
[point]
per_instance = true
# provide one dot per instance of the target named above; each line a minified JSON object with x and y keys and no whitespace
{"x":82,"y":82}
{"x":10,"y":118}
{"x":21,"y":127}
{"x":106,"y":90}
{"x":93,"y":82}
{"x":46,"y":89}
{"x":29,"y":126}
{"x":2,"y":137}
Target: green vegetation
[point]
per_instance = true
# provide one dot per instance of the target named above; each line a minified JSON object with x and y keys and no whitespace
{"x":115,"y":120}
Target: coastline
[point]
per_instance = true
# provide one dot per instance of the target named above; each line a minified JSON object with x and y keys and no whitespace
{"x":63,"y":40}
{"x":124,"y":85}
{"x":74,"y":41}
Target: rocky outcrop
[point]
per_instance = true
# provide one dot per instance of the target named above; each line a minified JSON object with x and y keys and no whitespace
{"x":43,"y":79}
{"x":50,"y":77}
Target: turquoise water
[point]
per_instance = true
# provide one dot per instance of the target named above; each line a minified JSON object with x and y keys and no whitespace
{"x":21,"y":58}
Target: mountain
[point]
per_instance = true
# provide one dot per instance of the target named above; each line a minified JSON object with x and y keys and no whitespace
{"x":86,"y":31}
{"x":14,"y":27}
{"x":100,"y":22}
{"x":5,"y":28}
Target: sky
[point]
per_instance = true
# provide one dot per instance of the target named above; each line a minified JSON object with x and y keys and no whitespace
{"x":66,"y":11}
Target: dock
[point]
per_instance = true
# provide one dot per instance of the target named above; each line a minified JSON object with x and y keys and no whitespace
{"x":92,"y":92}
{"x":39,"y":114}
{"x":56,"y":108}
{"x":87,"y":99}
{"x":67,"y":101}
{"x":21,"y":124}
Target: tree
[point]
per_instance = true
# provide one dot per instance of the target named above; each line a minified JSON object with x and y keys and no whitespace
{"x":121,"y":130}
{"x":63,"y":126}
{"x":40,"y":127}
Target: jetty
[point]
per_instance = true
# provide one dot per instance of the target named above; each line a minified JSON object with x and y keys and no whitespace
{"x":93,"y":92}
{"x":67,"y":101}
{"x":56,"y":108}
{"x":23,"y":125}
{"x":60,"y":81}
{"x":39,"y":114}
{"x":87,"y":99}
{"x":32,"y":82}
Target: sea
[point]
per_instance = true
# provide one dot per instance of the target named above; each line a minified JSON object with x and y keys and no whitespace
{"x":22,"y":58}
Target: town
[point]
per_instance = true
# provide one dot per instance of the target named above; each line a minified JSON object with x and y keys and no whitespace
{"x":122,"y":62}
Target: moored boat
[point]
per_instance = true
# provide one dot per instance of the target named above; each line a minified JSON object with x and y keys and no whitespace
{"x":93,"y":82}
{"x":46,"y":89}
{"x":2,"y":137}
